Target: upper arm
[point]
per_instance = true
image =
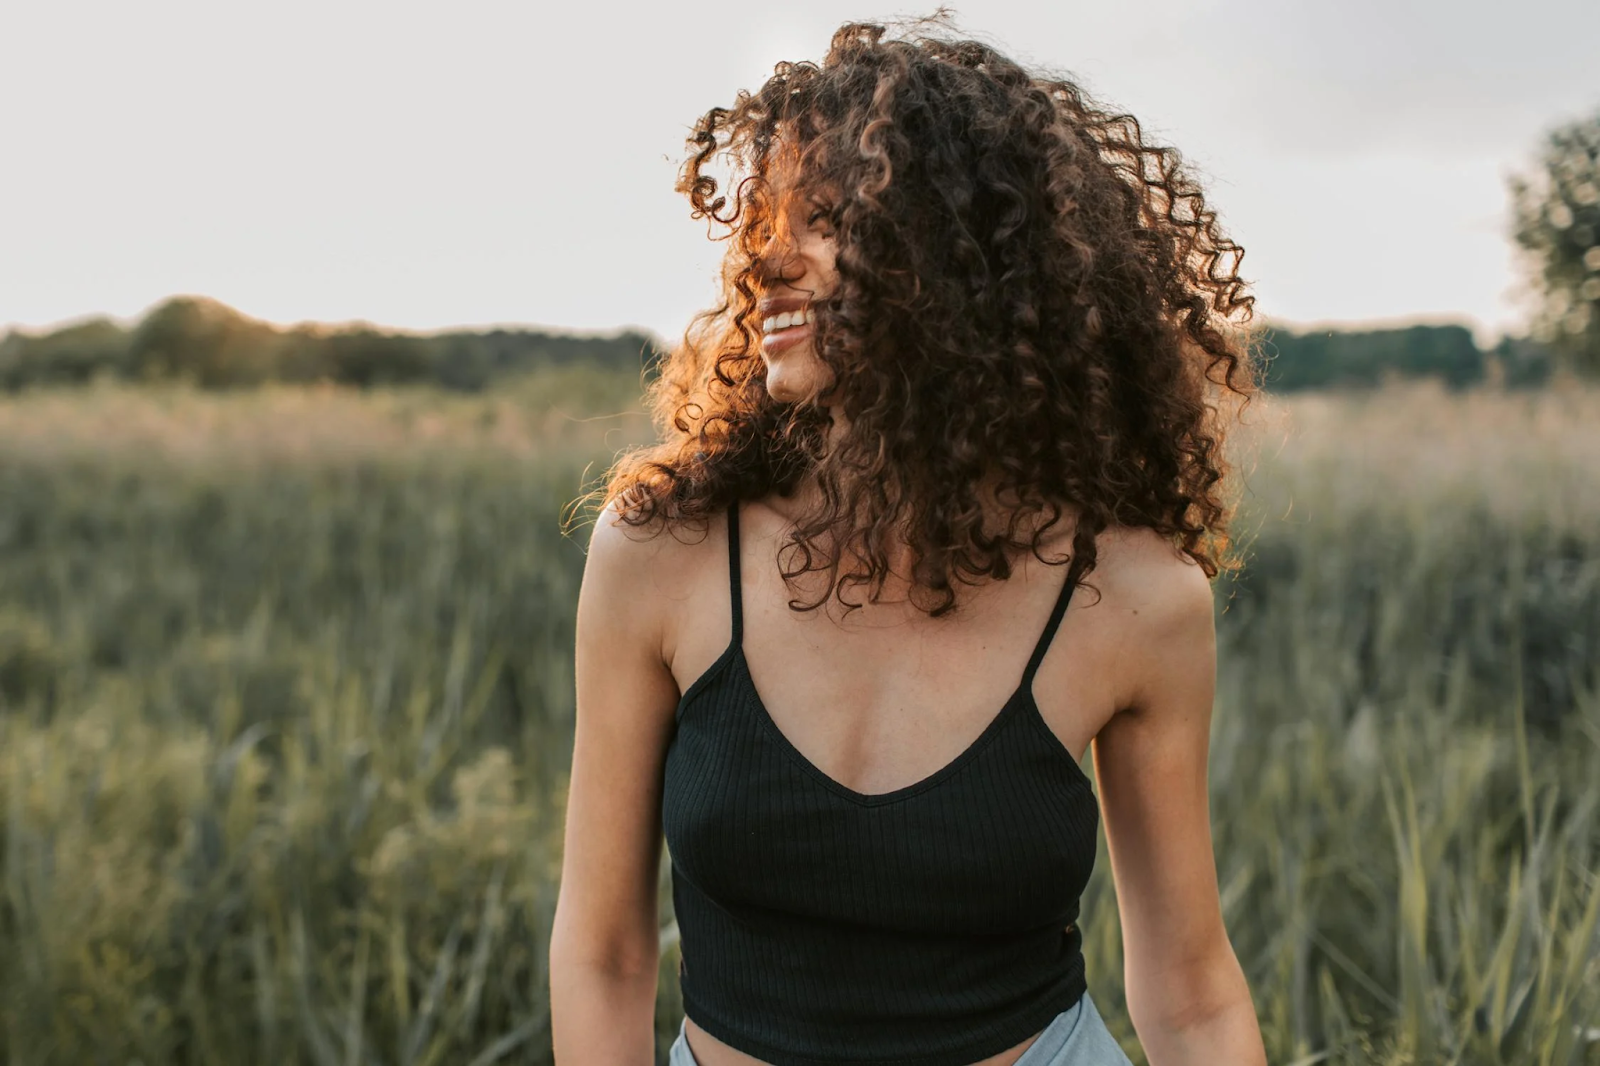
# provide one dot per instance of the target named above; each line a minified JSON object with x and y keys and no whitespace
{"x":1151,"y":771}
{"x":606,"y":911}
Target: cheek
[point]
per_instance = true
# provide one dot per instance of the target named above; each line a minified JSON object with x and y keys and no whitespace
{"x":827,"y":270}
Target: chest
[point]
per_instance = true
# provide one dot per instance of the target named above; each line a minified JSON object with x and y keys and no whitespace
{"x":999,"y":838}
{"x":886,"y":698}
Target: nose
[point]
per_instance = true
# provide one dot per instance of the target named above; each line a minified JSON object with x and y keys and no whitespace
{"x":778,"y":260}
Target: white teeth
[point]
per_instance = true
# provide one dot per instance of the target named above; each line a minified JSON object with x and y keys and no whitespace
{"x":787,"y":319}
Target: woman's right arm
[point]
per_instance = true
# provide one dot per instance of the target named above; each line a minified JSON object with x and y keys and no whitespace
{"x":604,"y":944}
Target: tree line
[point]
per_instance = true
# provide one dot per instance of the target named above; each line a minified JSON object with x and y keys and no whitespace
{"x":1322,"y":359}
{"x":212,"y":345}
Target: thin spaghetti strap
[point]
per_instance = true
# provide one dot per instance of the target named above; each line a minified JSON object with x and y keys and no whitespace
{"x":734,"y":593}
{"x":1050,"y":627}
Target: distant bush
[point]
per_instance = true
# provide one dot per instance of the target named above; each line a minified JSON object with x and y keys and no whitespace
{"x":200,"y":340}
{"x":1335,"y":358}
{"x":1522,"y":362}
{"x":75,"y":354}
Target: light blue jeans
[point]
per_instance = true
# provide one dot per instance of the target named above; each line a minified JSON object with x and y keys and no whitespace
{"x":1076,"y":1037}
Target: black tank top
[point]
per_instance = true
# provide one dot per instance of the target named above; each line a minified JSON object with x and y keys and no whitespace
{"x":934,"y":925}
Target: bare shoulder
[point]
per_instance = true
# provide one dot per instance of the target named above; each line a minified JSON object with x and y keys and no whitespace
{"x":1159,"y":615}
{"x":639,"y":573}
{"x":1149,"y":577}
{"x":620,"y":542}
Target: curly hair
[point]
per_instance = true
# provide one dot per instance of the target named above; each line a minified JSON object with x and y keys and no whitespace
{"x":1030,"y":297}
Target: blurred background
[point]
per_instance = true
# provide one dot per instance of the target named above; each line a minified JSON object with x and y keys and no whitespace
{"x":316,"y":318}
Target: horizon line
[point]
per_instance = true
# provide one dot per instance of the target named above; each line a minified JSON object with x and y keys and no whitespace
{"x":1479,"y":328}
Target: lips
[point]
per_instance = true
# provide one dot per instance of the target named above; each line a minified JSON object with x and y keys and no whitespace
{"x":783,"y":339}
{"x":780,"y":340}
{"x":776,"y":305}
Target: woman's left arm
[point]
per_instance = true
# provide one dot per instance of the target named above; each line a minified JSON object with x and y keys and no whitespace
{"x":1186,"y":993}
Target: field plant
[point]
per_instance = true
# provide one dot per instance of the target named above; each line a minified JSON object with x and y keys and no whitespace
{"x":286,"y":713}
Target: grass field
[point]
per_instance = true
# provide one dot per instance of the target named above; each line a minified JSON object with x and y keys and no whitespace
{"x":285,"y":715}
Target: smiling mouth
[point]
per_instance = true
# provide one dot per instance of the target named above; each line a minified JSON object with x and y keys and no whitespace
{"x":787,"y":320}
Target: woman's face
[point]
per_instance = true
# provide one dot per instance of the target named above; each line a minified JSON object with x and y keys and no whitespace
{"x":795,"y":267}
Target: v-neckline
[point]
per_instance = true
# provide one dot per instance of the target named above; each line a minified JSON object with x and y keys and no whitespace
{"x":874,"y":799}
{"x":1022,"y":697}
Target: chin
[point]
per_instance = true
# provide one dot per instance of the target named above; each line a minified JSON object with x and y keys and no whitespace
{"x":782,"y":394}
{"x":782,"y":387}
{"x":792,"y":380}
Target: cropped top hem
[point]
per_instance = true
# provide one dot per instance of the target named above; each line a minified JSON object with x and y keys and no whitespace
{"x":1018,"y":1028}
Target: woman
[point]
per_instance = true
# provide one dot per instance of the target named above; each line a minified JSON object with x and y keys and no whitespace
{"x":975,"y":344}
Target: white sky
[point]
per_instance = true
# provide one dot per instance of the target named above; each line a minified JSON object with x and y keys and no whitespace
{"x":424,"y":166}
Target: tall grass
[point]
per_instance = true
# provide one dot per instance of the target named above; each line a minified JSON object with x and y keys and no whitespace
{"x":286,"y":684}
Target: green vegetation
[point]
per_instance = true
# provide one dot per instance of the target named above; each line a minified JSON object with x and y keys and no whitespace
{"x":1328,"y":358}
{"x":202,"y":342}
{"x":286,"y":683}
{"x":1555,"y":211}
{"x":198,"y":340}
{"x":1323,"y":359}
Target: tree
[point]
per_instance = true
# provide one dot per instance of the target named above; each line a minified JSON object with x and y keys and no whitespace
{"x":1556,"y":222}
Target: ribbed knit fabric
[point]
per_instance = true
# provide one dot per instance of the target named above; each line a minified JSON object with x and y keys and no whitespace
{"x":934,"y":925}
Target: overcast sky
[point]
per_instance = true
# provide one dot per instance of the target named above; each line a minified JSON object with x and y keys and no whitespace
{"x":429,"y":165}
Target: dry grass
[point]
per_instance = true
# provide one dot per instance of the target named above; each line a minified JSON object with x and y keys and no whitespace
{"x":1415,"y":445}
{"x":555,"y":410}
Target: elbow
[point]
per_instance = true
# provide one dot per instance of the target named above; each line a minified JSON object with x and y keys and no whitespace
{"x":1188,"y":996}
{"x":578,"y":947}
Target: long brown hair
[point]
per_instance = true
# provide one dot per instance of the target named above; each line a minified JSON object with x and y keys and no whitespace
{"x":1030,"y":297}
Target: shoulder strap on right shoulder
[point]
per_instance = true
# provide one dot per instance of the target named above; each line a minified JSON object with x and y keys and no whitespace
{"x":734,"y":593}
